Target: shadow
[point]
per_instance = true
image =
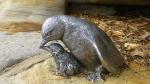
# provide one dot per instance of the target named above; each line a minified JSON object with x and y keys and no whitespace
{"x":108,"y":10}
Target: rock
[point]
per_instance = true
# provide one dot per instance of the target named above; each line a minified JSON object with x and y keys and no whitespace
{"x":22,"y":26}
{"x":41,"y":70}
{"x":130,"y":46}
{"x":23,"y":16}
{"x":27,"y":15}
{"x":30,"y":10}
{"x":11,"y":50}
{"x":37,"y":70}
{"x":24,"y":65}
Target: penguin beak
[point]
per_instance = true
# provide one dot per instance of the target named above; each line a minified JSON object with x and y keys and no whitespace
{"x":43,"y":42}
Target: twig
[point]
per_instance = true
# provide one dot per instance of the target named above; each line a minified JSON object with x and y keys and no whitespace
{"x":147,"y":19}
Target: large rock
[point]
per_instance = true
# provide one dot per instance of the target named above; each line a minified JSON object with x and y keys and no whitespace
{"x":18,"y":47}
{"x":23,"y":16}
{"x":27,"y":15}
{"x":41,"y":69}
{"x":30,"y":10}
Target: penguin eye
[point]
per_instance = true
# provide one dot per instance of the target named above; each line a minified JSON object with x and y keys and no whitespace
{"x":50,"y":33}
{"x":47,"y":34}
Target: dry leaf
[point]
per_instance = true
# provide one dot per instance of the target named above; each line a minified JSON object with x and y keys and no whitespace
{"x":130,"y":46}
{"x":117,"y":33}
{"x":144,"y":53}
{"x":146,"y":36}
{"x":137,"y":53}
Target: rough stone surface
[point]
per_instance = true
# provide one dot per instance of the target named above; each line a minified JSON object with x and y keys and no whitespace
{"x":20,"y":45}
{"x":30,"y":10}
